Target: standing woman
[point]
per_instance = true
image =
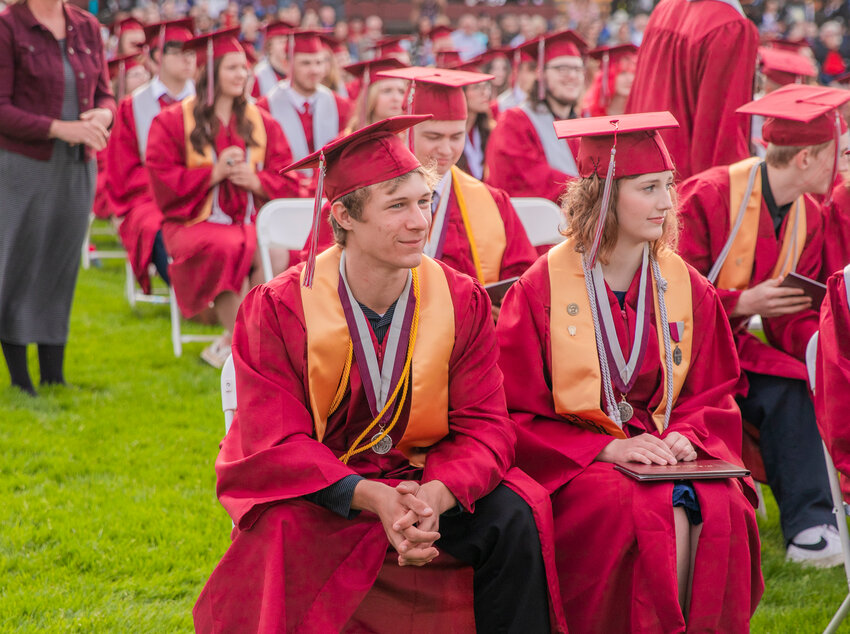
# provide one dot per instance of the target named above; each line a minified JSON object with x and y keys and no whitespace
{"x":213,"y":161}
{"x":56,"y":108}
{"x":615,"y":350}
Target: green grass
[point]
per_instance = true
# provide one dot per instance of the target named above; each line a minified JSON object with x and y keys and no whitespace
{"x":109,"y":521}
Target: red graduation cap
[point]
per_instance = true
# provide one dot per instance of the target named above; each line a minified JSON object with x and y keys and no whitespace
{"x":793,"y":46}
{"x":440,"y":32}
{"x":389,"y":45}
{"x":611,"y":57}
{"x":800,"y":115}
{"x":437,"y":91}
{"x":447,"y":58}
{"x":212,"y":46}
{"x":617,"y":146}
{"x":784,"y":67}
{"x":278,"y":28}
{"x":305,"y":41}
{"x":118,"y":68}
{"x":369,"y":156}
{"x":478,"y":62}
{"x":157,"y":35}
{"x":127,"y":24}
{"x":332,"y":43}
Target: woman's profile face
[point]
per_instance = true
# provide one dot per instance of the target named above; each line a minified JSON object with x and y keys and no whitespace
{"x":643,"y":204}
{"x":389,"y":98}
{"x":233,"y":74}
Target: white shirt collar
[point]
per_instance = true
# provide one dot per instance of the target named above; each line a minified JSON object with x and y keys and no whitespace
{"x":735,"y":4}
{"x":298,"y":100}
{"x":158,"y":88}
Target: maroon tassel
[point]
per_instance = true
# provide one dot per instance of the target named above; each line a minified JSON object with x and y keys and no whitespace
{"x":310,"y":266}
{"x":210,"y":72}
{"x":541,"y":83}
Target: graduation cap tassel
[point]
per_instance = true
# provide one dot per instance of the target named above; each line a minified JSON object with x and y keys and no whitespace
{"x":210,"y":72}
{"x":122,"y":80}
{"x":409,"y":131}
{"x":541,"y":86}
{"x":364,"y":107}
{"x":515,"y":69}
{"x":606,"y":201}
{"x":837,"y":156}
{"x":606,"y":64}
{"x":161,"y":42}
{"x":310,"y":266}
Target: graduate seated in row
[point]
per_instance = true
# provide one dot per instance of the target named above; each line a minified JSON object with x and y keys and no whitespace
{"x":372,"y":427}
{"x":127,"y":181}
{"x":746,"y":226}
{"x":213,"y":161}
{"x":832,"y":382}
{"x":615,"y":350}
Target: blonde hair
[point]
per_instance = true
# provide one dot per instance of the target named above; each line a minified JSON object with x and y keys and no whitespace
{"x":782,"y":155}
{"x":355,"y":201}
{"x":581,"y":204}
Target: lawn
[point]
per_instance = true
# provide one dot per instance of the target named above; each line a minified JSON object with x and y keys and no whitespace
{"x":109,"y":517}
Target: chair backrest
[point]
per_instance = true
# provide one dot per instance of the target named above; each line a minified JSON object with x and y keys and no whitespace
{"x":541,"y":218}
{"x":283,"y":223}
{"x":228,"y":392}
{"x":812,"y":359}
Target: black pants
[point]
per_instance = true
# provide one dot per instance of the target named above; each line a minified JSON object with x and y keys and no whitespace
{"x":499,"y":540}
{"x":159,"y":257}
{"x":791,"y":449}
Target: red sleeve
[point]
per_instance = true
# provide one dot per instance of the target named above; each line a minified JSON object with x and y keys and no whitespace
{"x":479,"y":449}
{"x":278,"y":156}
{"x":791,"y":333}
{"x":126,"y":175}
{"x":519,"y":254}
{"x":516,"y":161}
{"x":833,"y":373}
{"x":549,"y":449}
{"x":15,"y":122}
{"x":270,"y":453}
{"x":725,"y":82}
{"x":704,"y":216}
{"x":344,"y":108}
{"x":179,"y":191}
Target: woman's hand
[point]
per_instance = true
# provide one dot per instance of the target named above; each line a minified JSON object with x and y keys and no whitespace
{"x":227,"y":160}
{"x":242,"y":175}
{"x":645,"y":448}
{"x":91,"y":133}
{"x":100,"y":115}
{"x":680,"y":446}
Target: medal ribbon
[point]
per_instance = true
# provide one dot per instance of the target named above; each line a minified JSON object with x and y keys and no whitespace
{"x":626,"y":375}
{"x":437,"y":238}
{"x":378,"y":379}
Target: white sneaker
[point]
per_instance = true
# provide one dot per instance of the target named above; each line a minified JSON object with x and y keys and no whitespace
{"x":818,"y":546}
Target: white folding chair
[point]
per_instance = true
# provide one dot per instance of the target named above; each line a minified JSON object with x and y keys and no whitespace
{"x":838,"y":505}
{"x":135,"y":294}
{"x":177,"y":336}
{"x":541,"y":218}
{"x":284,"y":223}
{"x":228,"y":392}
{"x":87,"y":255}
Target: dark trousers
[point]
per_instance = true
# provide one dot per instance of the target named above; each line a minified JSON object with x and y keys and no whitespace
{"x":159,"y":257}
{"x":791,"y":449}
{"x":500,"y":541}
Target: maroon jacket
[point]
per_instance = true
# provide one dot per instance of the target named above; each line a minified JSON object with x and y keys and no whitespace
{"x":31,"y":78}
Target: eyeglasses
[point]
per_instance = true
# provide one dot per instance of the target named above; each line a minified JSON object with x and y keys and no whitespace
{"x":567,"y":69}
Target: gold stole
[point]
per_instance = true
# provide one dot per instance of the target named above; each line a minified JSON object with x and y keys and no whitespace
{"x":737,"y":271}
{"x":327,"y":332}
{"x":194,"y":159}
{"x":576,"y":375}
{"x":484,"y":227}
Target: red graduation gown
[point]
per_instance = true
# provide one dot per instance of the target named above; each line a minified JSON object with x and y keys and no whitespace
{"x":704,"y":214}
{"x":130,"y":193}
{"x":614,"y":537}
{"x":209,"y":258}
{"x":101,"y":207}
{"x":518,"y":255}
{"x":697,"y":60}
{"x":516,"y":162}
{"x":836,"y":231}
{"x":832,"y":382}
{"x":295,"y":566}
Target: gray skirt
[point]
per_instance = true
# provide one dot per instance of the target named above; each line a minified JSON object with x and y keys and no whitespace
{"x":44,"y":214}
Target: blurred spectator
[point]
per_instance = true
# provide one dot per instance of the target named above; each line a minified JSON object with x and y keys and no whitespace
{"x":467,"y":39}
{"x":834,"y":10}
{"x":510,"y":27}
{"x":310,"y":20}
{"x":831,"y":50}
{"x":327,"y":16}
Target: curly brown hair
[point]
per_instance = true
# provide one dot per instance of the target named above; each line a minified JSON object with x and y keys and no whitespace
{"x":581,"y":204}
{"x":207,"y":123}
